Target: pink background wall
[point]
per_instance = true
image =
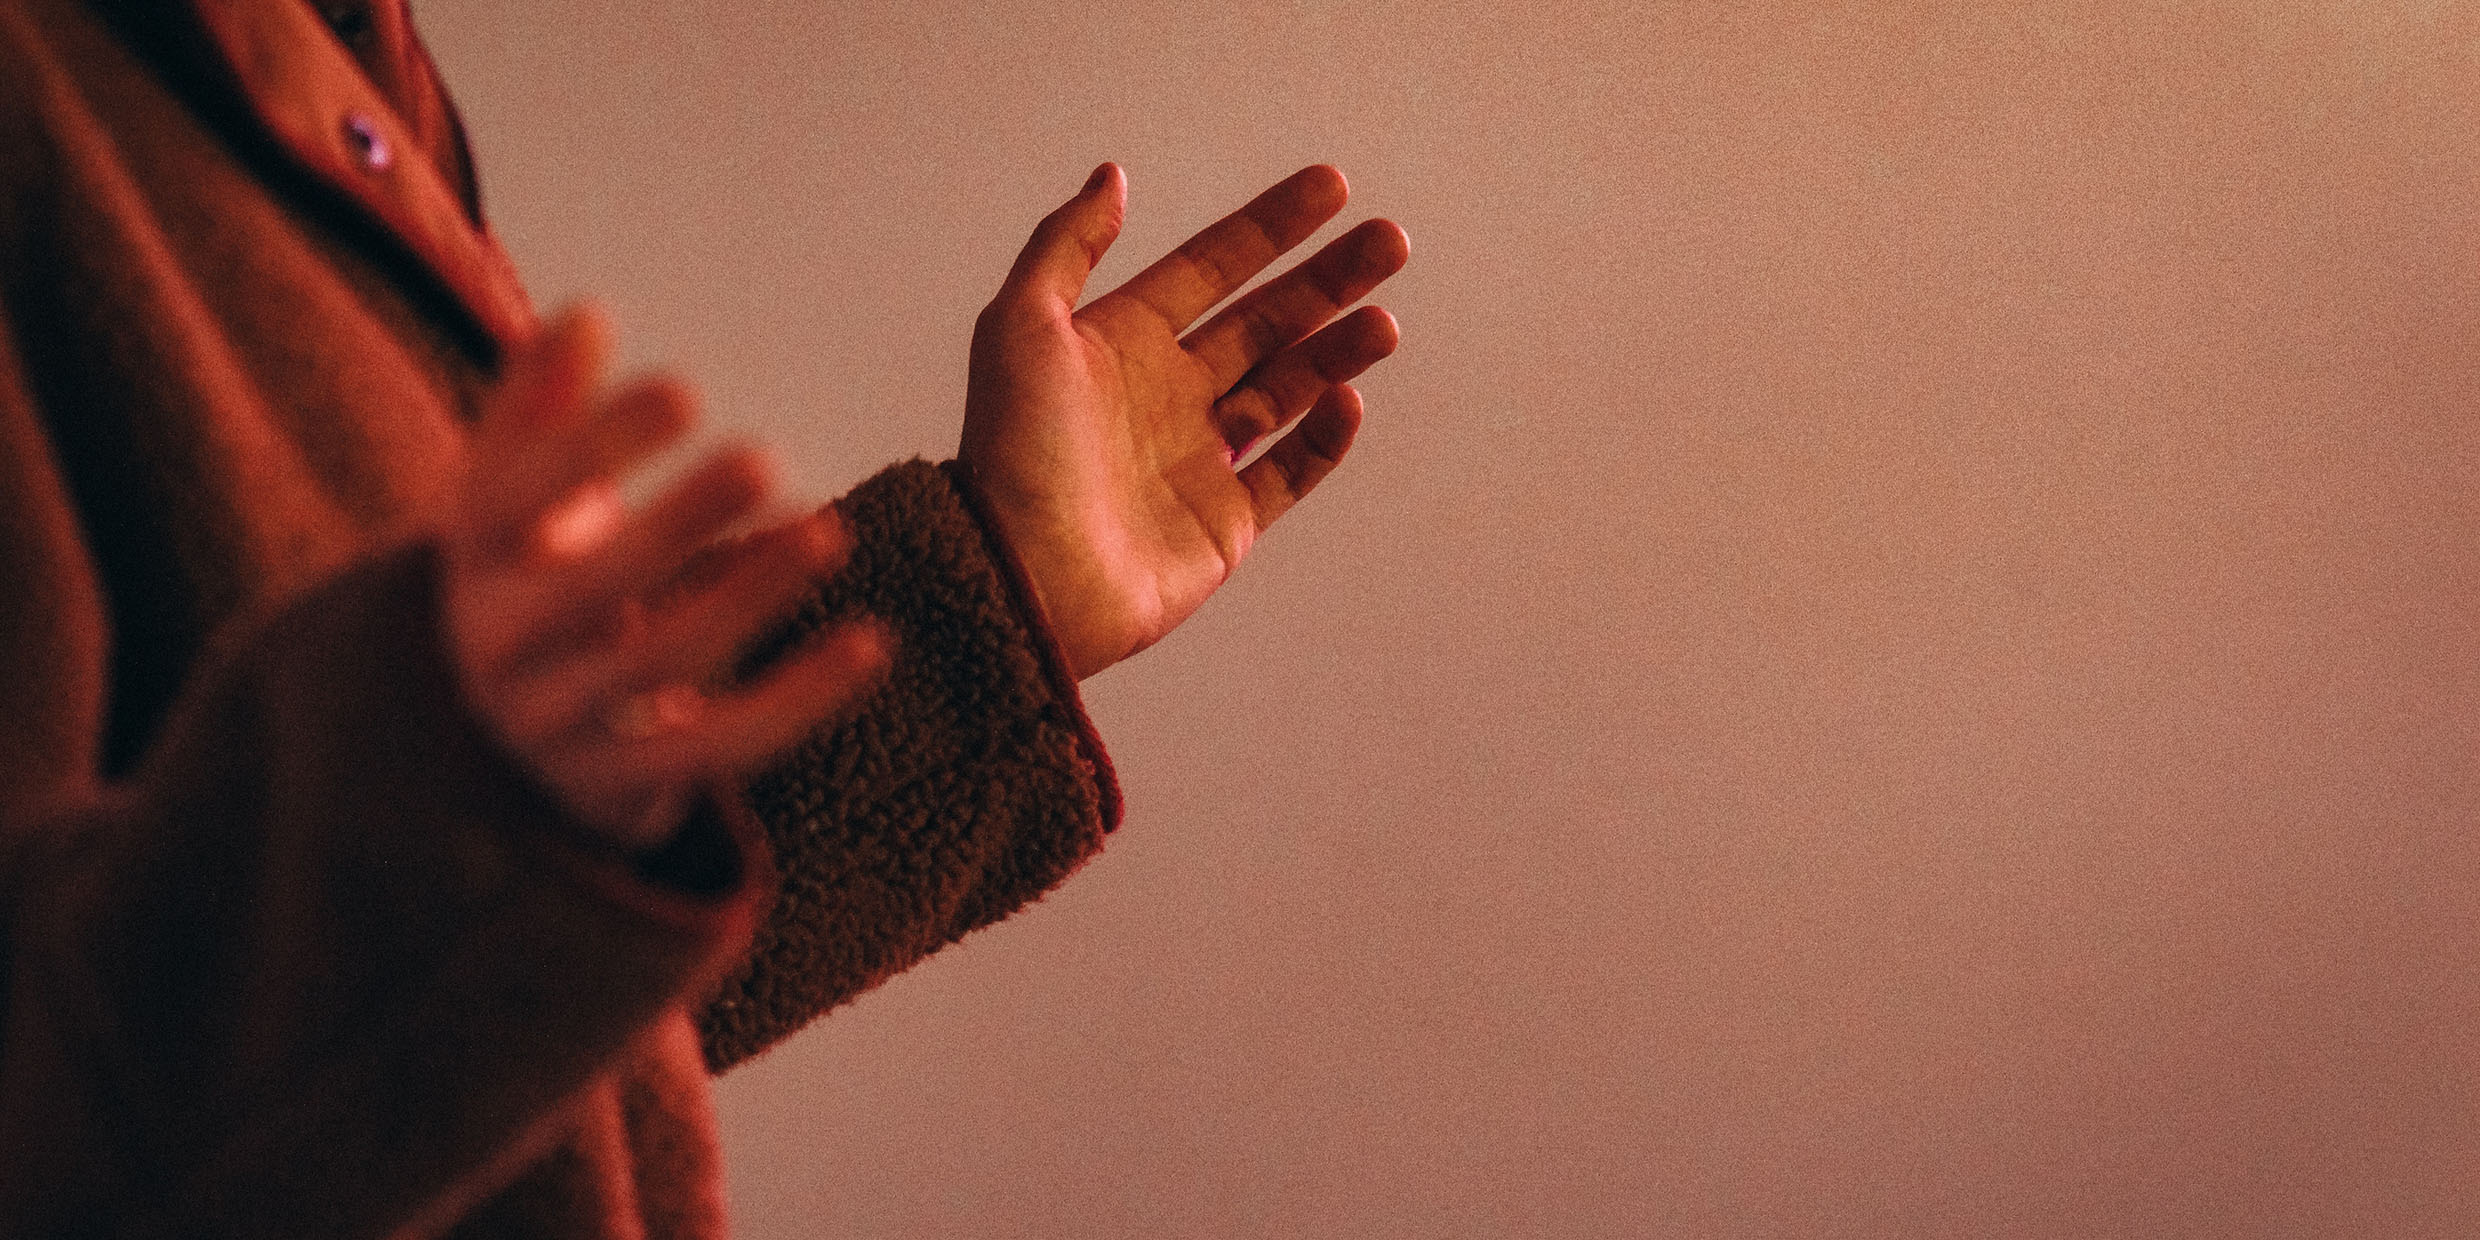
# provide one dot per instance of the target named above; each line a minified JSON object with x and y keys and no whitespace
{"x":1897,"y":657}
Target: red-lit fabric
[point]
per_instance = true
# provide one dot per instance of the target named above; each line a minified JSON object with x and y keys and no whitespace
{"x":287,"y":947}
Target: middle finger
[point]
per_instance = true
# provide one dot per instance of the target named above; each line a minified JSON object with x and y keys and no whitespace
{"x":566,"y":603}
{"x":750,"y":585}
{"x":1296,"y":303}
{"x":620,"y":432}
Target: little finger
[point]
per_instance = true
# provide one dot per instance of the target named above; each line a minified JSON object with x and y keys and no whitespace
{"x":573,"y":469}
{"x":1300,"y":460}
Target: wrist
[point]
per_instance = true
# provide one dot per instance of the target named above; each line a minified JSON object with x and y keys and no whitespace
{"x":1034,"y":584}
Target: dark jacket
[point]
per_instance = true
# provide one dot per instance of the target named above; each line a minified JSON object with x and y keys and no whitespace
{"x":287,"y":946}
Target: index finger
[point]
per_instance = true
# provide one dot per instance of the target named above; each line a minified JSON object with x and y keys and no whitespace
{"x":1213,"y":265}
{"x":529,"y":485}
{"x":546,"y":382}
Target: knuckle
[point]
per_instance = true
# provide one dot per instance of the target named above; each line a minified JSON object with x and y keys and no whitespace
{"x":1003,"y":316}
{"x":1336,"y":364}
{"x":1266,"y":328}
{"x":1210,"y":264}
{"x":987,"y":323}
{"x":1249,"y":415}
{"x":1336,"y":281}
{"x":1291,"y":471}
{"x":1093,"y":243}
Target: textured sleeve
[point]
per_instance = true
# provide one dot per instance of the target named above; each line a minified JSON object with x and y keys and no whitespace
{"x":331,"y":960}
{"x":968,"y":785}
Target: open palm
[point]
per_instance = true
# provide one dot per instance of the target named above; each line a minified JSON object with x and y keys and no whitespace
{"x":1102,"y":439}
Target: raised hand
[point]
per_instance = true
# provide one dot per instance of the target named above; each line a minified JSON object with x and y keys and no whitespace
{"x":576,"y":635}
{"x":1103,"y":439}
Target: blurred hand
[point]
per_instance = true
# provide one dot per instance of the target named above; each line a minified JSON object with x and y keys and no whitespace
{"x":1103,"y":439}
{"x":576,"y":636}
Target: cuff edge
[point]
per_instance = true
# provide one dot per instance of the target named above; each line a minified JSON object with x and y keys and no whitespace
{"x":1054,"y":660}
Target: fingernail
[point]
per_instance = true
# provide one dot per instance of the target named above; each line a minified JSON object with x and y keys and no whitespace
{"x":1094,"y":182}
{"x":583,"y":522}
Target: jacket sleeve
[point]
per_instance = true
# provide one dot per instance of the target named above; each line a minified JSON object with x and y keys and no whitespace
{"x":969,"y":783}
{"x":328,"y":962}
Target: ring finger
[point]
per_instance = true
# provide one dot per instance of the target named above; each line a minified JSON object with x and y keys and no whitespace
{"x":687,"y":639}
{"x":1289,"y":382}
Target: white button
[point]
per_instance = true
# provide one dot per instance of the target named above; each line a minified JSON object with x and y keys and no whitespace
{"x":370,"y":146}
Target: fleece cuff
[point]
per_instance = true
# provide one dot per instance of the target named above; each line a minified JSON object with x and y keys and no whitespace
{"x":965,"y":786}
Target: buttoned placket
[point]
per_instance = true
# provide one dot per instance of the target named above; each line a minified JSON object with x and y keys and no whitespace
{"x":343,"y":131}
{"x":368,"y":142}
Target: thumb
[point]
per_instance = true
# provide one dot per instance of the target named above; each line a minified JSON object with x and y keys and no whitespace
{"x":1066,"y":245}
{"x":545,"y":387}
{"x":546,"y":380}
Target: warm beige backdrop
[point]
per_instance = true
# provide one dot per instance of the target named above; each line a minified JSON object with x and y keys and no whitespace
{"x":1898,"y":657}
